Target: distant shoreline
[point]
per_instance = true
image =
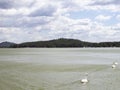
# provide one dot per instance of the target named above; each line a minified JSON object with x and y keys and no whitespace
{"x":60,"y":43}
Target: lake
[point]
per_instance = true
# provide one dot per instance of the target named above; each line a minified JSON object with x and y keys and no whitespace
{"x":59,"y":68}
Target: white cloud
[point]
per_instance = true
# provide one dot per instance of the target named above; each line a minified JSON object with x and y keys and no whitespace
{"x":102,"y":17}
{"x":27,"y":20}
{"x":19,"y":35}
{"x":116,"y":27}
{"x":118,"y":17}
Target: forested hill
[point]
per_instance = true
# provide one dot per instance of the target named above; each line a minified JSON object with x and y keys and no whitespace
{"x":62,"y":42}
{"x":6,"y":44}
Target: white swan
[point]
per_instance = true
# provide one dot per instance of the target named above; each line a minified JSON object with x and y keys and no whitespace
{"x":113,"y":66}
{"x":115,"y":63}
{"x":84,"y":80}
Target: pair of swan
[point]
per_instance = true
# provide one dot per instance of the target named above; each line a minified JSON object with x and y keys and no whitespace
{"x":85,"y":80}
{"x":114,"y":64}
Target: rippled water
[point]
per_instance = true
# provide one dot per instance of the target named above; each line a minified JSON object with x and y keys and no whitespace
{"x":59,"y":68}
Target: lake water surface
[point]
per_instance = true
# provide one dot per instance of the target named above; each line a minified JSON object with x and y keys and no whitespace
{"x":59,"y":68}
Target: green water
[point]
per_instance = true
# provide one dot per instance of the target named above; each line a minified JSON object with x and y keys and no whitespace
{"x":59,"y":69}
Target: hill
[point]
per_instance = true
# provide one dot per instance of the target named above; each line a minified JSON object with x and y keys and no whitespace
{"x":62,"y":42}
{"x":6,"y":44}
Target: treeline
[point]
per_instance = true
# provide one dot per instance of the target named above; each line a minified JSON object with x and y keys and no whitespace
{"x":65,"y":43}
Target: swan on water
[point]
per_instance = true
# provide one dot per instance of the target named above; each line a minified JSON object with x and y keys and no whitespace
{"x":113,"y":66}
{"x":84,"y":80}
{"x":115,"y":63}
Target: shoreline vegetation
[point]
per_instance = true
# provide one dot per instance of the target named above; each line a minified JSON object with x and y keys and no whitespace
{"x":59,"y":43}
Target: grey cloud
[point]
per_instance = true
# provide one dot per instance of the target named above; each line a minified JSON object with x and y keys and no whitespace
{"x":45,"y":11}
{"x":24,"y":22}
{"x":2,"y":38}
{"x":6,"y":4}
{"x":109,"y":2}
{"x":68,"y":4}
{"x":116,"y":28}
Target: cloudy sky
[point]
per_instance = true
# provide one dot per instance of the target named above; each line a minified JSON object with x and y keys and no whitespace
{"x":34,"y":20}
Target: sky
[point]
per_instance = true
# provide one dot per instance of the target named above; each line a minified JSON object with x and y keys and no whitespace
{"x":39,"y":20}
